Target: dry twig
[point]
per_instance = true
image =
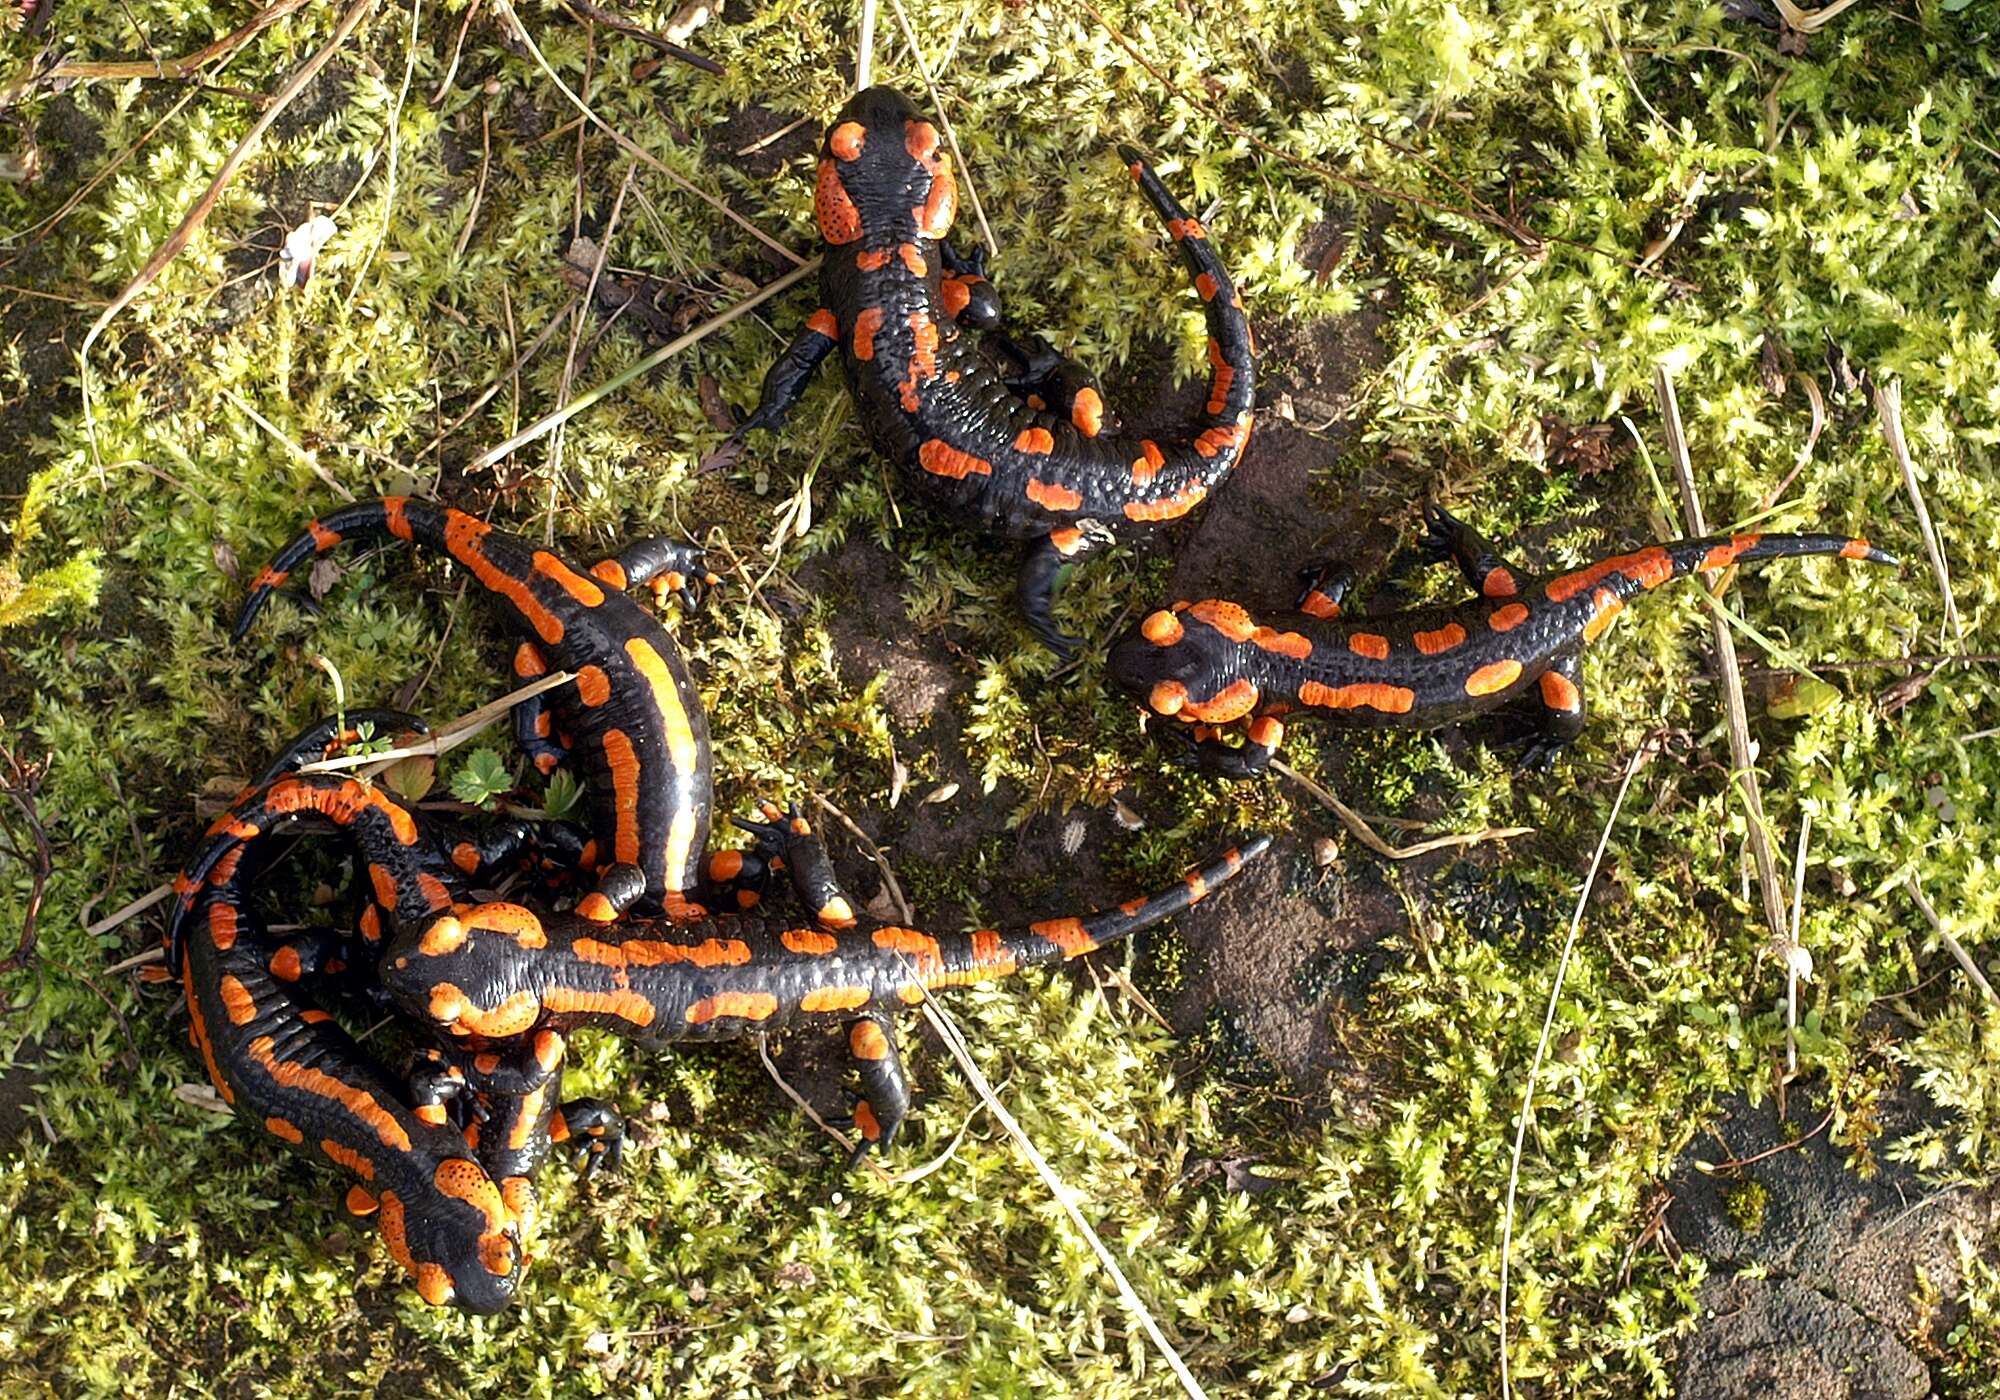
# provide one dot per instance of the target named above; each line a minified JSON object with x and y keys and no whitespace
{"x":1889,"y":408}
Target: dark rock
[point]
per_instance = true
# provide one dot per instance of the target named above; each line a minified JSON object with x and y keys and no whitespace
{"x":1776,"y":1339}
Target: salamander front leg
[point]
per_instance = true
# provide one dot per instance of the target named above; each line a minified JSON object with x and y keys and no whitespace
{"x":667,"y":565}
{"x":1323,"y":588}
{"x":1202,"y":746}
{"x":1446,"y":537}
{"x":785,"y":382}
{"x":885,"y":1090}
{"x":1560,"y":716}
{"x":1043,"y":572}
{"x":534,"y":730}
{"x":595,"y":1133}
{"x":1052,"y":382}
{"x":968,"y":297}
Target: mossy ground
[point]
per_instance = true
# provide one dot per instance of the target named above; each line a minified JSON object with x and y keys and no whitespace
{"x":1837,"y":205}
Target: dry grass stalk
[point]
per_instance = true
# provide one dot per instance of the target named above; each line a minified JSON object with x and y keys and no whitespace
{"x":1889,"y":408}
{"x":937,"y":105}
{"x":1957,"y":949}
{"x":1638,"y":759}
{"x":1730,"y":672}
{"x":1365,"y":834}
{"x":548,"y":423}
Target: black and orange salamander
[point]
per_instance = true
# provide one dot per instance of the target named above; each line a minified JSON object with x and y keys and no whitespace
{"x":279,"y":1058}
{"x":1040,"y":457}
{"x":1211,"y":665}
{"x":632,"y":719}
{"x":501,"y":972}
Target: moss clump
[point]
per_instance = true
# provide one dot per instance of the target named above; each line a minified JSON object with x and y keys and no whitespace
{"x":1745,"y":1204}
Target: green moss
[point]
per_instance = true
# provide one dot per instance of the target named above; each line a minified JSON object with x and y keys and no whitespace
{"x":1845,"y":210}
{"x":1745,"y":1204}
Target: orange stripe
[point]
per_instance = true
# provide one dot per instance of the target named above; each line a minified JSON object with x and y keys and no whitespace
{"x":1369,"y":695}
{"x":1493,"y":678}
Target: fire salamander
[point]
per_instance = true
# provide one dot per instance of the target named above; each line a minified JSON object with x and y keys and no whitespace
{"x":500,"y":971}
{"x":632,"y":716}
{"x":1210,"y":664}
{"x":280,"y":1060}
{"x":1037,"y":458}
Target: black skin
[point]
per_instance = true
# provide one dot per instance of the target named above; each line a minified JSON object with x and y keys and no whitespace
{"x":1212,"y":665}
{"x":1034,"y":455}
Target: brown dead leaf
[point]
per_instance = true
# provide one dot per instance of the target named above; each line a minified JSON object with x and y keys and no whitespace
{"x":225,"y":559}
{"x":325,"y":574}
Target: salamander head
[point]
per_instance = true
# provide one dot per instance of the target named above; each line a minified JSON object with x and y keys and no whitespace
{"x":458,"y":1242}
{"x":466,"y":971}
{"x":1181,"y":665}
{"x":883,"y":174}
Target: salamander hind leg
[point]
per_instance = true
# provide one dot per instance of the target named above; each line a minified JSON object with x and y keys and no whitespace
{"x":1042,"y":572}
{"x":534,"y":727}
{"x":885,"y":1090}
{"x":1560,"y":714}
{"x":786,"y":838}
{"x":1447,"y":538}
{"x":968,"y":297}
{"x":785,"y":382}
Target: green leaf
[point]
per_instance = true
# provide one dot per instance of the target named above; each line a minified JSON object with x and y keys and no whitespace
{"x":483,"y":779}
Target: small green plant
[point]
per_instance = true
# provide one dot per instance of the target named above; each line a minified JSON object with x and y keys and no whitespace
{"x":482,"y":780}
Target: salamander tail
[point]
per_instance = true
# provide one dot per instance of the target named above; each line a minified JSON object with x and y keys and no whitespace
{"x":1232,"y":350}
{"x":398,"y":517}
{"x":989,"y":953}
{"x":1623,"y":575}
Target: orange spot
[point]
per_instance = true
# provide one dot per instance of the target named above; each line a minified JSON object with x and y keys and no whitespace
{"x":1508,"y":618}
{"x":1318,"y":604}
{"x":360,"y":1202}
{"x":465,"y":856}
{"x":1206,"y":285}
{"x":1442,"y":640}
{"x":395,"y":519}
{"x":644,"y":952}
{"x":923,"y":358}
{"x":222,"y":926}
{"x":323,"y":539}
{"x":835,"y":999}
{"x":1266,"y":732}
{"x":865,"y":1121}
{"x":1215,"y":441}
{"x":750,"y":1006}
{"x":568,"y":579}
{"x":913,"y":260}
{"x":269,"y":578}
{"x":1146,"y":466}
{"x":434,"y":1284}
{"x":464,"y":537}
{"x":1649,"y":568}
{"x":285,"y":965}
{"x":625,"y":1006}
{"x":919,"y":947}
{"x":1220,"y":381}
{"x":865,"y":327}
{"x":824,"y":322}
{"x":1856,"y":549}
{"x":847,"y":139}
{"x":1493,"y":678}
{"x":1170,"y":507}
{"x":1608,"y":606}
{"x":1036,"y":441}
{"x":288,"y":1131}
{"x":1067,"y":541}
{"x":444,"y":936}
{"x":624,"y":763}
{"x":1369,"y":644}
{"x":593,"y":687}
{"x":956,"y":294}
{"x":1067,"y":934}
{"x":518,"y":922}
{"x":1050,"y":496}
{"x":1086,"y":412}
{"x":528,"y":661}
{"x":349,"y":1158}
{"x":1370,"y":695}
{"x":1197,"y":889}
{"x":1559,"y":692}
{"x":1168,"y":698}
{"x":809,"y":942}
{"x":1186,"y":228}
{"x":1499,"y":583}
{"x":1290,"y":644}
{"x":359,"y":1103}
{"x":872,"y":261}
{"x":725,"y":865}
{"x":431,"y":1113}
{"x":595,"y":907}
{"x":1229,"y":619}
{"x":1233,"y":701}
{"x":237,"y":1001}
{"x":940,"y":458}
{"x":612,"y":572}
{"x":1162,"y":629}
{"x":839,"y":221}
